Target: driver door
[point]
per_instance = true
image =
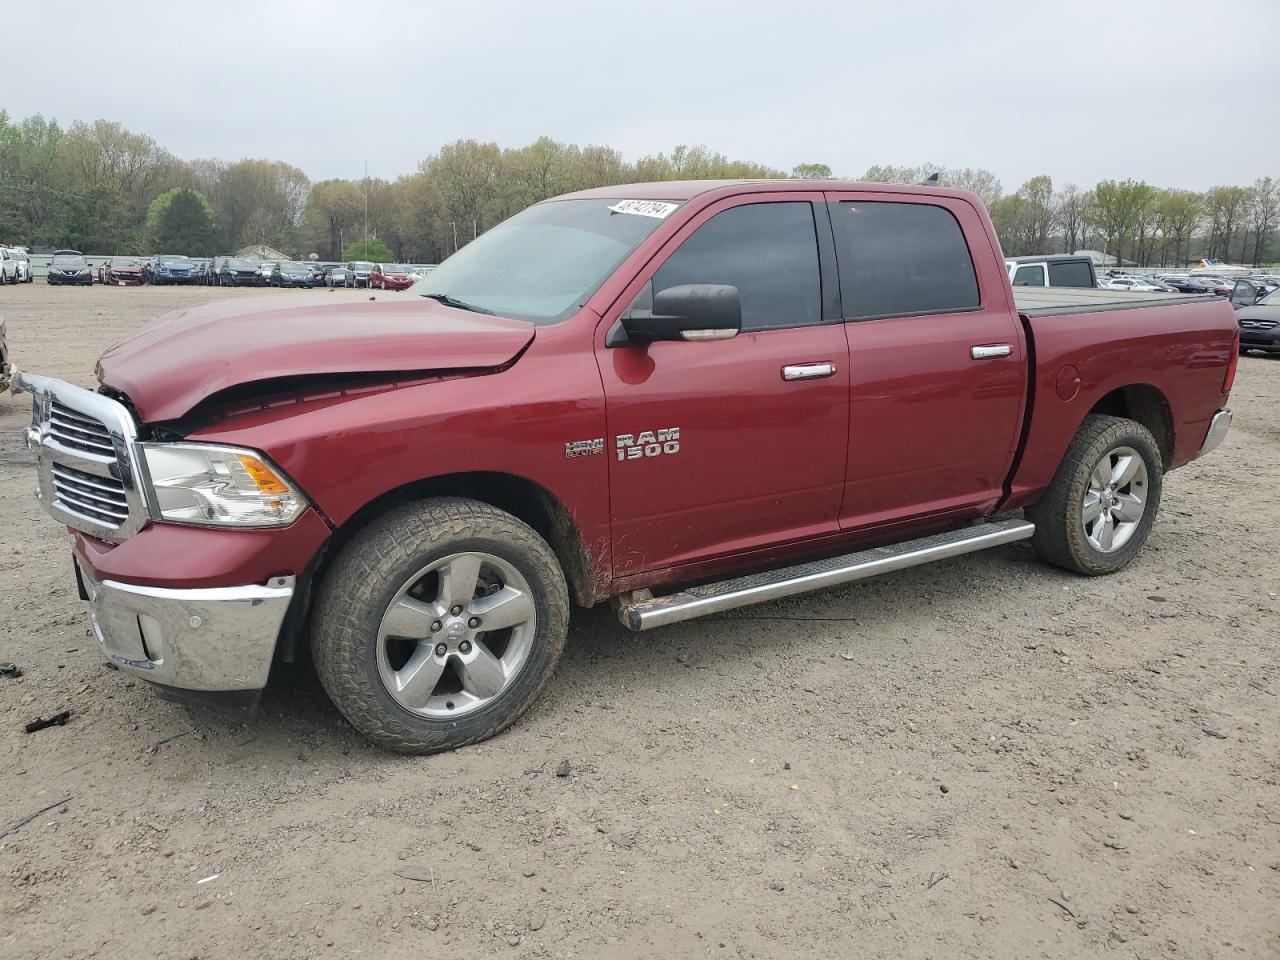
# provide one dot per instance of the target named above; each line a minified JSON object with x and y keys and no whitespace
{"x":721,"y":447}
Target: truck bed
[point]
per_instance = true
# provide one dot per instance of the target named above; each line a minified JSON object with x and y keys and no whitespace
{"x":1050,"y":301}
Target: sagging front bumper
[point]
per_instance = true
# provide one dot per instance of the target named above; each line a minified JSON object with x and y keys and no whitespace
{"x":1218,"y":427}
{"x":207,"y":639}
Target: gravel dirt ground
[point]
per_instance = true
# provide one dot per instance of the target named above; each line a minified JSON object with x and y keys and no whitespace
{"x":982,"y":758}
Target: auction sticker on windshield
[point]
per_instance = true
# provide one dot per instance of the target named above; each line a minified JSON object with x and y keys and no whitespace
{"x":645,"y":208}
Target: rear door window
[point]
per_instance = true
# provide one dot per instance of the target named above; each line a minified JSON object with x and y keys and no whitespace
{"x":1070,"y":273}
{"x":902,"y":259}
{"x":1032,"y":276}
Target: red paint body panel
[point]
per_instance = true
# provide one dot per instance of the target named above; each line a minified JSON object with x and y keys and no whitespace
{"x":910,"y":433}
{"x":179,"y":557}
{"x":1182,"y":351}
{"x":175,"y":362}
{"x":346,"y":452}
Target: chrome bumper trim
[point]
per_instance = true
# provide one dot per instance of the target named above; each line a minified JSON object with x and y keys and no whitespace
{"x":212,"y":638}
{"x":1218,"y":428}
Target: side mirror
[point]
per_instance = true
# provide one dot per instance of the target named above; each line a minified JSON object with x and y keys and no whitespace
{"x":48,"y":263}
{"x":692,"y":311}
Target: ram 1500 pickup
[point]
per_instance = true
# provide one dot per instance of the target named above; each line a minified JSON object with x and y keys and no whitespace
{"x":681,"y":397}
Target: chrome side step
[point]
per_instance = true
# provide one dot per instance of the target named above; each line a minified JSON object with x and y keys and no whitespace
{"x":644,"y":612}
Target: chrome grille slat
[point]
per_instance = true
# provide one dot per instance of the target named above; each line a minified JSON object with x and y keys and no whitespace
{"x":87,"y":479}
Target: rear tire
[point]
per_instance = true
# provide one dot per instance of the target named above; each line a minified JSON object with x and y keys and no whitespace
{"x":398,"y":603}
{"x":1099,"y":509}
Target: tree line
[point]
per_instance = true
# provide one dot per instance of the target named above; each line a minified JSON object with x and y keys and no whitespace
{"x":101,"y":188}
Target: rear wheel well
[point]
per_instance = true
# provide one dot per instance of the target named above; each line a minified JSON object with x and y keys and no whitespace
{"x":1148,"y":406}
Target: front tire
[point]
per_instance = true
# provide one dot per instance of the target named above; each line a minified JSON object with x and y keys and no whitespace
{"x":439,"y":624}
{"x":1098,"y":511}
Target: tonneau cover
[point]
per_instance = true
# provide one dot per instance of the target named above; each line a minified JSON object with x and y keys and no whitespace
{"x":1047,"y":301}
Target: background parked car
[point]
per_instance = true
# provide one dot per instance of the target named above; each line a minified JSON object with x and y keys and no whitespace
{"x":391,"y":276}
{"x":292,"y":274}
{"x":69,"y":268}
{"x":237,"y":272}
{"x":265,"y":269}
{"x":170,"y":269}
{"x":358,"y":273}
{"x":1258,"y":316}
{"x":8,"y":266}
{"x":1136,"y":284}
{"x":337,"y":276}
{"x":120,"y":271}
{"x":25,"y":274}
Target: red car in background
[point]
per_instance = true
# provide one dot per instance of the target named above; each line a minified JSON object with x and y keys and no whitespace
{"x":121,"y":272}
{"x":391,"y":276}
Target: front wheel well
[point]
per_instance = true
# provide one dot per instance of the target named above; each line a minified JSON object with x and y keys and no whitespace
{"x":523,"y":499}
{"x":1146,"y":405}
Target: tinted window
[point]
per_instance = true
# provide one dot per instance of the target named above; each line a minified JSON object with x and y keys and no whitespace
{"x":1070,"y":273}
{"x":902,"y":258}
{"x":769,"y":251}
{"x":1029,"y":277}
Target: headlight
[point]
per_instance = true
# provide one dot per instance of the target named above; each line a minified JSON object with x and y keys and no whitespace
{"x":209,"y":485}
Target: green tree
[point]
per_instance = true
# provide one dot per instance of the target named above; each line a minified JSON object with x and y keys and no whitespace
{"x":374,"y":250}
{"x":811,"y":171}
{"x":181,"y":221}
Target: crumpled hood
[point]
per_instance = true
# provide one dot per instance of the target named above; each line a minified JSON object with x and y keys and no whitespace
{"x":173,"y":363}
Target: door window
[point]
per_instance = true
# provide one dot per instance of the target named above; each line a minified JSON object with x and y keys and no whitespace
{"x":1029,"y":277}
{"x":1070,"y":273}
{"x":769,"y":251}
{"x":902,"y":259}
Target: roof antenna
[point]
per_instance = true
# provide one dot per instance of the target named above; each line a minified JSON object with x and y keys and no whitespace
{"x":929,"y":181}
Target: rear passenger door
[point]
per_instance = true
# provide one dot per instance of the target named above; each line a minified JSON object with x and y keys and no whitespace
{"x":938,"y":370}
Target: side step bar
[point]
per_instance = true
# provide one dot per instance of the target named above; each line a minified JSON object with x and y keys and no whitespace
{"x":644,"y":612}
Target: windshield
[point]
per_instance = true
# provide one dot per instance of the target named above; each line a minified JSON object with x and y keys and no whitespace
{"x":1272,"y":299}
{"x":362,"y":265}
{"x":542,"y":263}
{"x":293,"y":267}
{"x":240,"y":264}
{"x":68,"y":261}
{"x":178,"y":261}
{"x":124,"y":262}
{"x":395,"y":268}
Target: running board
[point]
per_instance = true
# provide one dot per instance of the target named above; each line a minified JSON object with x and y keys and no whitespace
{"x":644,"y":612}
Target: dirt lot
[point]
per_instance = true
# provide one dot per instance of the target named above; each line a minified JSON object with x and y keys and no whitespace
{"x":984,"y":758}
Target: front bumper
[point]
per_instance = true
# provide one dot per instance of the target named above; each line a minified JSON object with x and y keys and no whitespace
{"x":207,"y":639}
{"x":1218,"y":428}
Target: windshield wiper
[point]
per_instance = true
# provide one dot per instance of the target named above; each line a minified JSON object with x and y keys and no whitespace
{"x":449,"y":301}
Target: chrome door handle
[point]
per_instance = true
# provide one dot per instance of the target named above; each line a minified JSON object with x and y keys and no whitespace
{"x":808,"y":371}
{"x":994,"y":350}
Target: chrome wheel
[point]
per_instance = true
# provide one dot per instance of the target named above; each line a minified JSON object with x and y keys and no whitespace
{"x":1115,"y":499}
{"x":456,"y":635}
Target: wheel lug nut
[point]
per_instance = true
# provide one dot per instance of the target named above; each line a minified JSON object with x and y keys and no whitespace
{"x":436,"y":626}
{"x":441,"y":649}
{"x":456,"y":609}
{"x":473,"y":622}
{"x":465,"y":646}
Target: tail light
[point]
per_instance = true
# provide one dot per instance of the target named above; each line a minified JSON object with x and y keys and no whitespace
{"x":1232,"y":364}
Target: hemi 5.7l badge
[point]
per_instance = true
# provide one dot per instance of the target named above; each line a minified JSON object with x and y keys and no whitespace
{"x":583,"y":448}
{"x":650,"y":443}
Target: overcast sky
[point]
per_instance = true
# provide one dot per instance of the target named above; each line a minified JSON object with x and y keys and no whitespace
{"x":1176,"y":92}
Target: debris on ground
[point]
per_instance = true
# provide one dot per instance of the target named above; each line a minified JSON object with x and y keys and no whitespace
{"x":57,"y":720}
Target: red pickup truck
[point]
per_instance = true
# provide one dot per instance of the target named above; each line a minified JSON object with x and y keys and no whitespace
{"x":683,"y":397}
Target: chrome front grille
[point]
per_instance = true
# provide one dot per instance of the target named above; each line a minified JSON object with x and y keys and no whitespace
{"x":87,"y":462}
{"x":1258,"y":324}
